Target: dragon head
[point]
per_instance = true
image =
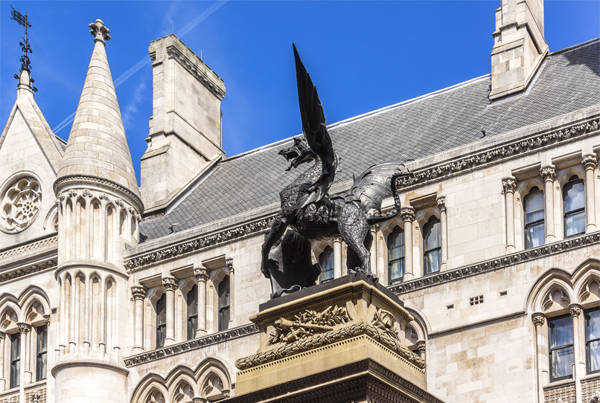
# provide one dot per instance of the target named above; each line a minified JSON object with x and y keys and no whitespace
{"x":298,"y":153}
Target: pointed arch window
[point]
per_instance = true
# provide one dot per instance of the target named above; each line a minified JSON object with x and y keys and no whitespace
{"x":561,"y":347}
{"x":326,"y":262}
{"x":592,"y":340}
{"x":15,"y":359}
{"x":41,"y":362}
{"x":574,"y":204}
{"x":432,"y":246}
{"x":161,"y":320}
{"x":192,"y":312}
{"x":395,"y":244}
{"x":533,"y":205}
{"x":224,"y":303}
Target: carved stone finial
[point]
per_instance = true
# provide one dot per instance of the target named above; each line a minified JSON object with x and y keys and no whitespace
{"x":201,"y":274}
{"x":441,"y":203}
{"x":509,"y":184}
{"x":589,"y":161}
{"x":169,"y":283}
{"x":575,"y":310}
{"x":538,"y":319}
{"x":138,"y":292}
{"x":99,"y":31}
{"x":407,"y":214}
{"x":548,"y":173}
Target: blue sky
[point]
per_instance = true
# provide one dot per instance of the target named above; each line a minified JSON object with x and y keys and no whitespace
{"x":361,"y":55}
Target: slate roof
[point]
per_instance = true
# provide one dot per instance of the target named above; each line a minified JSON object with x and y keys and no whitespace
{"x":568,"y":80}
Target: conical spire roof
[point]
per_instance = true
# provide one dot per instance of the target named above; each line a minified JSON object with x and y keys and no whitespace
{"x":97,"y":145}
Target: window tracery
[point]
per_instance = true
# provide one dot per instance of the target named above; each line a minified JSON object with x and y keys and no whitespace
{"x":20,"y":204}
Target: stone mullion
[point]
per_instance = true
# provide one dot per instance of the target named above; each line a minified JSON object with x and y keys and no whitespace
{"x":381,"y":256}
{"x":229,"y":264}
{"x":575,"y":311}
{"x":201,"y":277}
{"x":373,"y":251}
{"x":337,"y":257}
{"x":589,"y":163}
{"x":179,"y":321}
{"x":102,"y":321}
{"x":441,"y":203}
{"x":408,"y":217}
{"x":72,"y":312}
{"x":509,"y":186}
{"x":25,"y":330}
{"x":548,"y":173}
{"x":102,"y":249}
{"x":2,"y":360}
{"x":62,"y":319}
{"x":139,"y":293}
{"x":169,"y":283}
{"x":61,"y":227}
{"x":539,"y":321}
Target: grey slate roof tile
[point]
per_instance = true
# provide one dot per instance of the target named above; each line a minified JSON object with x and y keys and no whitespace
{"x":569,"y":80}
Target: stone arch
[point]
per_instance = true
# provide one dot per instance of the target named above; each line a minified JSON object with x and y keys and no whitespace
{"x":182,"y":385}
{"x":35,"y":306}
{"x":214,"y":380}
{"x":10,"y":314}
{"x":543,"y":295}
{"x":51,"y":220}
{"x":586,"y":279}
{"x":150,"y":387}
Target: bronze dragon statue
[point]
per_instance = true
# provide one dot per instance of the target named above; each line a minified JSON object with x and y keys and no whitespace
{"x":309,"y":212}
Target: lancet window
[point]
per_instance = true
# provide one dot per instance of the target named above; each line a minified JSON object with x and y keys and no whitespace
{"x":534,"y":218}
{"x":432,"y":246}
{"x":224,"y":303}
{"x":15,"y":359}
{"x":41,"y":363}
{"x":326,"y":262}
{"x":161,"y":321}
{"x":395,"y":244}
{"x":592,"y":340}
{"x":574,"y":207}
{"x":192,"y":312}
{"x":561,"y":347}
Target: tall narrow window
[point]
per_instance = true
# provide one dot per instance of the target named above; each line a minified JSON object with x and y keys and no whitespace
{"x":15,"y":359}
{"x":41,"y":352}
{"x":192,"y":312}
{"x":432,"y":246}
{"x":574,"y":202}
{"x":561,"y":347}
{"x":395,"y":244}
{"x":224,"y":304}
{"x":534,"y":218}
{"x":592,"y":340}
{"x":161,"y":320}
{"x":326,"y":262}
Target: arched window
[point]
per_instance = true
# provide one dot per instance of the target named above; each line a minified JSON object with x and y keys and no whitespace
{"x":326,"y":262}
{"x":395,"y":244}
{"x":592,"y":340}
{"x":15,"y":359}
{"x":432,"y":246}
{"x":224,"y":303}
{"x":561,"y":347}
{"x":41,"y":363}
{"x":534,"y":218}
{"x":574,"y":203}
{"x":192,"y":312}
{"x":161,"y":320}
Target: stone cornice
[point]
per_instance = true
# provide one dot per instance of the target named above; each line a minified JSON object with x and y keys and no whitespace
{"x":497,"y":263}
{"x":190,"y":345}
{"x":499,"y":153}
{"x":215,"y":86}
{"x":48,"y":263}
{"x":31,"y":248}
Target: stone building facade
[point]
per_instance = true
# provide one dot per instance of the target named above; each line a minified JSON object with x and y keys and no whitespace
{"x":110,"y":292}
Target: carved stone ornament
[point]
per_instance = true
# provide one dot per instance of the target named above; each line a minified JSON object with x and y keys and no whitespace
{"x":509,"y":185}
{"x":575,"y":310}
{"x":589,"y":161}
{"x":441,"y":203}
{"x":385,"y":322}
{"x":407,"y":214}
{"x":20,"y":204}
{"x":548,"y":173}
{"x":538,"y":319}
{"x":169,"y":283}
{"x":99,"y":31}
{"x":307,"y":323}
{"x":138,"y":292}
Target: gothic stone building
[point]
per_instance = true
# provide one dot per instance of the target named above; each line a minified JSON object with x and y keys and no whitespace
{"x":114,"y":292}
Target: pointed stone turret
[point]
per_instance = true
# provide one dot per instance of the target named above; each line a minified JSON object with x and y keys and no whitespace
{"x":97,"y":146}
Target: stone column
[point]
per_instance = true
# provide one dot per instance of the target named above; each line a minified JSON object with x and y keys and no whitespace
{"x":373,"y":250}
{"x":575,"y":311}
{"x":138,"y":293}
{"x":102,"y":229}
{"x":589,"y":163}
{"x":2,"y":360}
{"x":169,"y":283}
{"x":441,"y":203}
{"x":509,"y":185}
{"x":337,"y":257}
{"x":229,"y":263}
{"x":408,"y":217}
{"x":540,"y":358}
{"x":25,"y":330}
{"x":201,"y":277}
{"x":549,"y":174}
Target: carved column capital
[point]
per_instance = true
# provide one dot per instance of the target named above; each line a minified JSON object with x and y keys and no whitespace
{"x":229,"y":264}
{"x":548,"y":173}
{"x":509,"y":184}
{"x":441,"y":203}
{"x":201,"y":273}
{"x":407,"y":214}
{"x":2,"y":336}
{"x":420,"y":347}
{"x":24,"y":327}
{"x":169,"y":283}
{"x":47,"y":319}
{"x":538,"y":319}
{"x":589,"y":161}
{"x":138,"y":292}
{"x":575,"y":310}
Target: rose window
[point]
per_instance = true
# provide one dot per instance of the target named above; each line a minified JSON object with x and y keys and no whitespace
{"x":20,"y":204}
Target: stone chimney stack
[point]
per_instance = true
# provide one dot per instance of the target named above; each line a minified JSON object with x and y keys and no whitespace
{"x":519,"y":45}
{"x":185,"y":127}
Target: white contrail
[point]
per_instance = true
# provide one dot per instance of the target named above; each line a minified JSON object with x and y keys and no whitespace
{"x":144,"y":61}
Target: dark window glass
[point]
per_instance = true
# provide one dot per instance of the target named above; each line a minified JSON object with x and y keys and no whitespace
{"x":15,"y":359}
{"x":396,"y":255}
{"x":432,"y":246}
{"x":534,"y":218}
{"x":592,"y":340}
{"x":561,"y":347}
{"x":574,"y":202}
{"x":192,"y":312}
{"x":161,"y":320}
{"x":41,"y":355}
{"x":326,"y":262}
{"x":224,"y":303}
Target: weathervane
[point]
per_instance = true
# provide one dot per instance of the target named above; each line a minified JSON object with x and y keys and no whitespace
{"x":25,"y":47}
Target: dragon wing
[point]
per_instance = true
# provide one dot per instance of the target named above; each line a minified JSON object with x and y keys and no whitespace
{"x":375,"y":184}
{"x":314,"y":128}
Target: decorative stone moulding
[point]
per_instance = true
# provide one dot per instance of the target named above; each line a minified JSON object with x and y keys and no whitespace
{"x":21,"y":200}
{"x":318,"y":337}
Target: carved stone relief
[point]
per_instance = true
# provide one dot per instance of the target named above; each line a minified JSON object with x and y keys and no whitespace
{"x":307,"y":323}
{"x":20,"y":204}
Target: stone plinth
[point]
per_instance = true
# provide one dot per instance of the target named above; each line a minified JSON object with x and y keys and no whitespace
{"x":340,"y":340}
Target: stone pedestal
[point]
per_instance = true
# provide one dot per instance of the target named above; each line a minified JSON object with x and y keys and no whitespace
{"x":338,"y":341}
